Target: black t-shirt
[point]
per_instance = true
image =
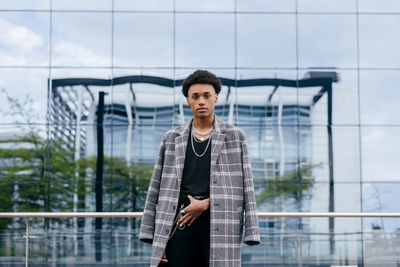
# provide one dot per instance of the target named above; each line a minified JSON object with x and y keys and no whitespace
{"x":196,"y":171}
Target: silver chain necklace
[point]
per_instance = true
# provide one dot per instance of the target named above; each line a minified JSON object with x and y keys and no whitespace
{"x":198,"y":140}
{"x":202,"y":134}
{"x":208,"y":143}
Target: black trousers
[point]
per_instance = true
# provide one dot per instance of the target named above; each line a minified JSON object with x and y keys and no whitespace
{"x":191,"y":246}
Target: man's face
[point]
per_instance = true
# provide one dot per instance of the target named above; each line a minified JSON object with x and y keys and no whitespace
{"x":201,"y":99}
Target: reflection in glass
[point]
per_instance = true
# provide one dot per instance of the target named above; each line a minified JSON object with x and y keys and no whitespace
{"x":346,"y":157}
{"x":384,"y":6}
{"x":25,"y":38}
{"x":23,"y":101}
{"x":205,"y":40}
{"x":380,"y":197}
{"x":266,"y":6}
{"x":134,"y":40}
{"x":379,"y":97}
{"x":81,"y":5}
{"x":317,"y":33}
{"x":148,"y":5}
{"x":81,"y":39}
{"x":302,"y":125}
{"x":344,"y":97}
{"x":23,"y":159}
{"x":26,"y":4}
{"x":327,"y":6}
{"x":205,"y":5}
{"x":380,"y":153}
{"x":261,"y":44}
{"x":379,"y":41}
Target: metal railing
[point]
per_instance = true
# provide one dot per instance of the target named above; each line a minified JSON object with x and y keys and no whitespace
{"x":27,"y":215}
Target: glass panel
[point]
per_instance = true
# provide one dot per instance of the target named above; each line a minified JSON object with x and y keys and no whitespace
{"x":25,"y":4}
{"x":215,"y":47}
{"x":72,"y":167}
{"x":23,"y":101}
{"x":385,"y":6}
{"x":23,"y":153}
{"x":378,"y":41}
{"x":318,"y":159}
{"x":81,"y":39}
{"x":347,"y":199}
{"x":274,"y":158}
{"x":82,"y":5}
{"x":205,"y":5}
{"x":148,"y":5}
{"x":317,"y":33}
{"x":150,"y":42}
{"x":269,"y":6}
{"x":379,"y":97}
{"x":381,"y":197}
{"x":319,"y":52}
{"x":380,"y":153}
{"x":346,"y":153}
{"x":260,"y":102}
{"x":150,"y":99}
{"x":262,"y":44}
{"x":318,"y":202}
{"x":133,"y":162}
{"x":150,"y":96}
{"x":327,"y":6}
{"x":91,"y":73}
{"x":314,"y":153}
{"x":344,"y":96}
{"x":76,"y":91}
{"x":24,"y":39}
{"x":258,"y":99}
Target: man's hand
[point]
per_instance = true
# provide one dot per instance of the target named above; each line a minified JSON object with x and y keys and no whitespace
{"x":194,"y":210}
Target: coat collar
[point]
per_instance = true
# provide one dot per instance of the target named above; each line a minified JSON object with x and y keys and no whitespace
{"x":218,"y":137}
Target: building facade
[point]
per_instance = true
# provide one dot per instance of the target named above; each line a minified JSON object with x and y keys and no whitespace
{"x":311,"y":83}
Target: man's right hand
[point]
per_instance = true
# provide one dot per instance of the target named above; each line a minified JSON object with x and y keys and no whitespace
{"x":193,"y":211}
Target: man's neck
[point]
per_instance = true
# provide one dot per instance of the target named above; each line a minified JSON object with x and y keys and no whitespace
{"x":203,"y":124}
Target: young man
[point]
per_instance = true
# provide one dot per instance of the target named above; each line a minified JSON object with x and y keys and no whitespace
{"x":200,"y":187}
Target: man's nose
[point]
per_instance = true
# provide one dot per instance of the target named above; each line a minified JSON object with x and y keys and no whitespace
{"x":201,"y":101}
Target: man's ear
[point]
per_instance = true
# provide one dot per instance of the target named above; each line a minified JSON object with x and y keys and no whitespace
{"x":216,"y":98}
{"x":187,"y":101}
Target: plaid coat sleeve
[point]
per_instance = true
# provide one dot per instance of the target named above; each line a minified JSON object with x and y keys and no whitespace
{"x":147,"y":226}
{"x":251,"y":234}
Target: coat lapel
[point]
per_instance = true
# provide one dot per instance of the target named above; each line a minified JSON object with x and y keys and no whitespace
{"x":180,"y":149}
{"x":218,"y":137}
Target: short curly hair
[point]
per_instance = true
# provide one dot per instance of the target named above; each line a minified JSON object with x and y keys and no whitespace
{"x":201,"y":76}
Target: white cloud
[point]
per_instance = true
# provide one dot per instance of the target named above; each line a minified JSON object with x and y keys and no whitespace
{"x":19,"y":45}
{"x":66,"y":52}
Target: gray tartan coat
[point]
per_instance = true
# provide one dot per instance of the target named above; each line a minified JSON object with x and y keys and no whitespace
{"x":231,"y":194}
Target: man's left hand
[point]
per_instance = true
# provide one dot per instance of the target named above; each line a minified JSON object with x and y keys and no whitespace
{"x":194,"y":210}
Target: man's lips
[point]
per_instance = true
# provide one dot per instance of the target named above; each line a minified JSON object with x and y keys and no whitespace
{"x":201,"y":109}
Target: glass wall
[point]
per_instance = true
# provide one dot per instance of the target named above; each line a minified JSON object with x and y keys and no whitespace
{"x":89,"y":85}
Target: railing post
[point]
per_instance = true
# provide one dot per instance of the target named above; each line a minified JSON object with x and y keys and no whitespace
{"x":27,"y":243}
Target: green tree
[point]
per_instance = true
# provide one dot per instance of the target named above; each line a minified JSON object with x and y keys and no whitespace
{"x":293,"y":185}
